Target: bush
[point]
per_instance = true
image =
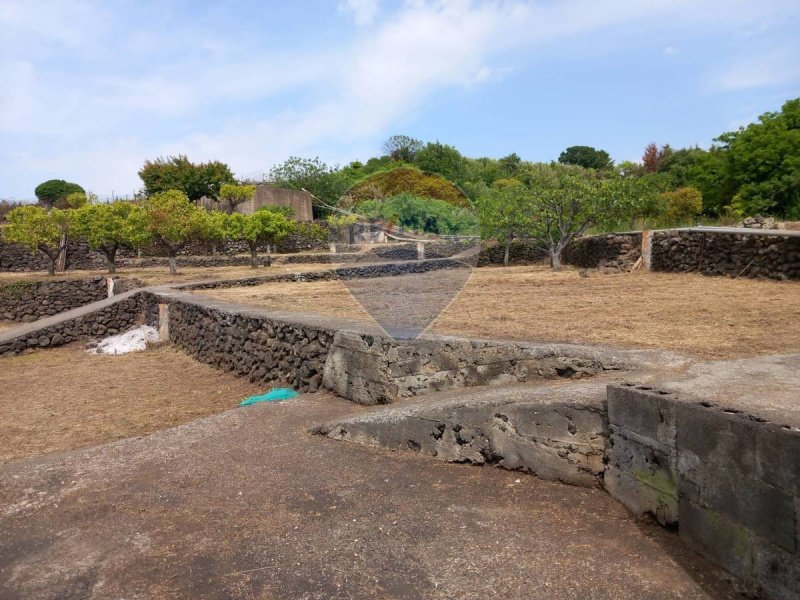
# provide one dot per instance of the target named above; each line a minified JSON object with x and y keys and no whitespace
{"x":407,"y":180}
{"x":682,"y":205}
{"x":420,"y":214}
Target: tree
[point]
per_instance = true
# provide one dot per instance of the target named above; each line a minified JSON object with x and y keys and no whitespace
{"x":763,"y":161}
{"x":231,"y":196}
{"x":173,"y":222}
{"x":179,"y":173}
{"x":683,"y":204}
{"x":565,"y":205}
{"x":704,"y":170}
{"x":653,"y":157}
{"x":107,"y":227}
{"x":312,"y":175}
{"x":54,"y":191}
{"x":586,"y":157}
{"x":263,"y":227}
{"x":420,"y":214}
{"x":38,"y":229}
{"x":402,"y":147}
{"x":504,"y":213}
{"x":443,"y":160}
{"x":339,"y":223}
{"x":510,"y":165}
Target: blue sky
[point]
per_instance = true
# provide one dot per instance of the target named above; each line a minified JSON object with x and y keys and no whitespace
{"x":92,"y":89}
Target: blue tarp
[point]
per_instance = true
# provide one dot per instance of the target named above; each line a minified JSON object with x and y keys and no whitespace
{"x":274,"y":395}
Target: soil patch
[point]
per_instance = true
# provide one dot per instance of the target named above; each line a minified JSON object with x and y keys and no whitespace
{"x":64,"y":398}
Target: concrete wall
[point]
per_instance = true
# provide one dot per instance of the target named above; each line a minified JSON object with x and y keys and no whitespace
{"x":755,"y":254}
{"x":729,"y":481}
{"x":268,"y":195}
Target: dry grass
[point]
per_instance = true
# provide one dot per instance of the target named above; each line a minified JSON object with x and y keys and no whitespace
{"x":709,"y":317}
{"x":161,"y":275}
{"x":62,"y":399}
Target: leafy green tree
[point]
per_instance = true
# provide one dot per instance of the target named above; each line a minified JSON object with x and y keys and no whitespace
{"x":509,"y":165}
{"x":586,"y":157}
{"x":763,"y":160}
{"x":682,"y":205}
{"x":54,"y":191}
{"x":39,"y":230}
{"x":402,"y":147}
{"x":631,"y":198}
{"x":314,"y":176}
{"x":565,"y":205}
{"x":179,"y":173}
{"x":420,"y":214}
{"x":173,"y":222}
{"x":263,"y":227}
{"x":107,"y":227}
{"x":504,"y":213}
{"x":443,"y":160}
{"x":231,"y":196}
{"x":705,"y":170}
{"x":339,"y":223}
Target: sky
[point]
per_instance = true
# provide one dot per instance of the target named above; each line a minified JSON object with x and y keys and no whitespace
{"x":90,"y":90}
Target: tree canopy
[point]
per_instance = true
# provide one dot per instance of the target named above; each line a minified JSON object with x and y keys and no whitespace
{"x":38,"y":230}
{"x":54,"y":192}
{"x":179,"y":173}
{"x":173,"y":221}
{"x":108,"y":226}
{"x":402,"y":147}
{"x":586,"y":157}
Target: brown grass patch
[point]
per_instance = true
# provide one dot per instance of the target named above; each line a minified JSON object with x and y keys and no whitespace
{"x":64,"y":398}
{"x":709,"y":317}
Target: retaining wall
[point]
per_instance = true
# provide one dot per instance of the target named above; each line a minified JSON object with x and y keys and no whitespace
{"x":728,"y":480}
{"x":751,"y":254}
{"x":26,"y":301}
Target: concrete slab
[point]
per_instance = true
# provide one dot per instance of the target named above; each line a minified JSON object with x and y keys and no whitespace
{"x":766,"y":386}
{"x":246,"y":504}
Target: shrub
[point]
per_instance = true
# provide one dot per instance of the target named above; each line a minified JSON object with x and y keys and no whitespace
{"x":683,"y":204}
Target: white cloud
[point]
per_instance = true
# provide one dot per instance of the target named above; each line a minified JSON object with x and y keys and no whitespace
{"x":774,"y":68}
{"x":363,"y":11}
{"x":98,"y":93}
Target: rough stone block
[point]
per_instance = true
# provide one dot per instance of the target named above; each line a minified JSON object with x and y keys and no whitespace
{"x":643,"y":411}
{"x":778,"y":457}
{"x":720,"y":540}
{"x":776,"y":572}
{"x":640,"y":498}
{"x":709,"y":439}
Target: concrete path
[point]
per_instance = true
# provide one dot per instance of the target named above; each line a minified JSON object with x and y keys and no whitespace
{"x":247,"y":504}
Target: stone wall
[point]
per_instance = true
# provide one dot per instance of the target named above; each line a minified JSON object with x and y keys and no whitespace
{"x":26,"y":301}
{"x":730,"y":481}
{"x":754,"y":254}
{"x":253,"y":344}
{"x":107,"y":317}
{"x":520,"y":253}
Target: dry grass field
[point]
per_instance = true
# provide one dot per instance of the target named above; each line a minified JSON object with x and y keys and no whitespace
{"x":64,"y":398}
{"x":709,"y":317}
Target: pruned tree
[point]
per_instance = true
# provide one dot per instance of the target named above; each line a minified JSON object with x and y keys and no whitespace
{"x":173,"y":222}
{"x":107,"y":227}
{"x":231,"y":196}
{"x":39,"y":230}
{"x":262,"y":228}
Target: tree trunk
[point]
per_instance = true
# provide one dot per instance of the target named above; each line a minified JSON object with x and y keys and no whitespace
{"x":111,"y":256}
{"x":51,"y":266}
{"x":555,"y":258}
{"x":253,"y":256}
{"x":507,"y":251}
{"x":173,"y":264}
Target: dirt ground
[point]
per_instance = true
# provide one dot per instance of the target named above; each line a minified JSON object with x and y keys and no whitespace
{"x":64,"y":398}
{"x":708,"y":317}
{"x":161,"y":275}
{"x":246,"y":504}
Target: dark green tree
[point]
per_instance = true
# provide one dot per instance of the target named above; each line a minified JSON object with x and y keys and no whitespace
{"x":402,"y":147}
{"x":586,"y":157}
{"x":179,"y":173}
{"x":312,"y":175}
{"x":54,"y":192}
{"x":443,"y":160}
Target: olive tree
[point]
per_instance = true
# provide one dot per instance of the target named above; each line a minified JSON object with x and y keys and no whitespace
{"x":173,"y":222}
{"x":107,"y":227}
{"x":39,"y":230}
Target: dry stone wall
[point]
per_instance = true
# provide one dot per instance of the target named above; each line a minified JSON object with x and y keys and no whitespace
{"x":719,"y":253}
{"x":26,"y":301}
